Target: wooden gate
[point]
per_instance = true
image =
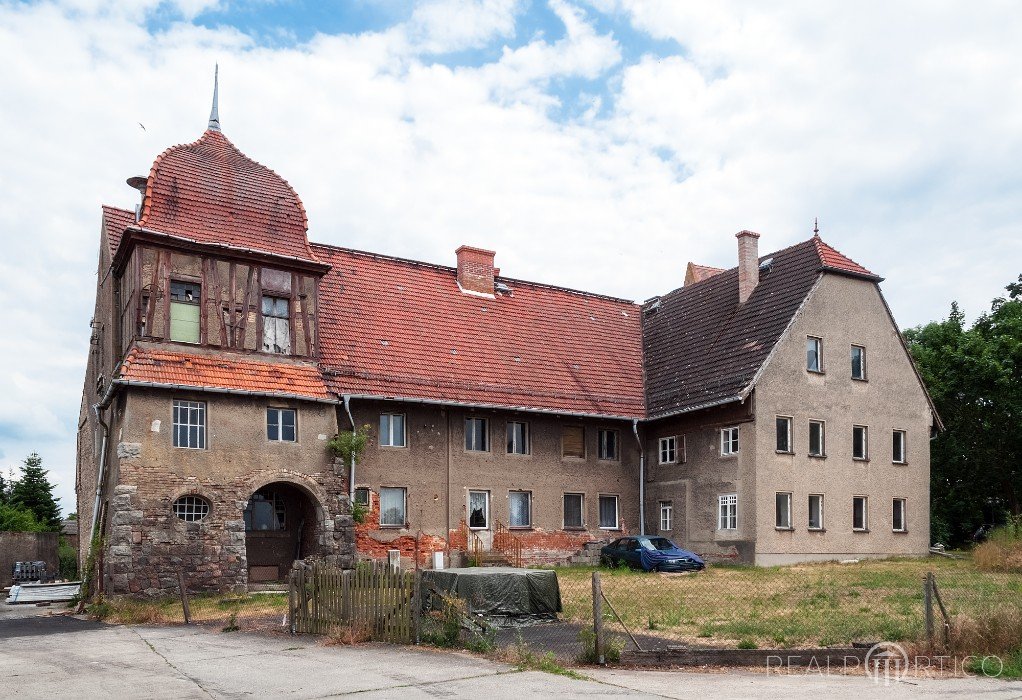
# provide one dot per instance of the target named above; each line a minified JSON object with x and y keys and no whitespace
{"x":374,"y":598}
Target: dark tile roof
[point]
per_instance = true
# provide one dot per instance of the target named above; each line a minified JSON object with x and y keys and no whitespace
{"x":115,"y":220}
{"x":703,"y":348}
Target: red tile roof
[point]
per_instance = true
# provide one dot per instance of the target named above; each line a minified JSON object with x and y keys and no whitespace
{"x":210,"y":192}
{"x":163,"y":367}
{"x":834,"y":260}
{"x":115,"y":221}
{"x":697,"y":273}
{"x":402,"y":329}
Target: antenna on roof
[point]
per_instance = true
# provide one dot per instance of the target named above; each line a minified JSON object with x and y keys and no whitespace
{"x":816,"y":226}
{"x":214,"y":113}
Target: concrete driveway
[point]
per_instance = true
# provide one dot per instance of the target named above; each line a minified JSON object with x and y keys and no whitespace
{"x":64,"y":657}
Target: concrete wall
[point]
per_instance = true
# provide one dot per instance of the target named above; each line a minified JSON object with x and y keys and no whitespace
{"x":27,"y":546}
{"x":436,"y":448}
{"x":842,"y":311}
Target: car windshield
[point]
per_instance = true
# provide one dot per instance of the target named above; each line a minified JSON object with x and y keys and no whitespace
{"x":657,"y":543}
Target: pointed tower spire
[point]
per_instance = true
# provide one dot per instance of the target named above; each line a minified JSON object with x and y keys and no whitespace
{"x":214,"y":114}
{"x":816,"y":226}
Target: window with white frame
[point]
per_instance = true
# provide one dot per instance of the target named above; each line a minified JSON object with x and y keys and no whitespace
{"x":362,"y":496}
{"x":392,"y":430}
{"x":727,"y":511}
{"x":668,"y":450}
{"x":814,"y":354}
{"x":608,"y":512}
{"x":783,"y":424}
{"x":520,"y":508}
{"x":276,"y":325}
{"x":860,"y":513}
{"x":574,"y":510}
{"x":189,"y":424}
{"x":479,"y":510}
{"x":898,"y":523}
{"x":782,"y":510}
{"x":860,"y":442}
{"x":666,"y":515}
{"x":608,"y":444}
{"x":858,"y":362}
{"x":191,"y":508}
{"x":816,"y":511}
{"x":898,"y":455}
{"x":517,"y":438}
{"x":817,"y":438}
{"x":729,"y":441}
{"x":477,"y":435}
{"x":280,"y":425}
{"x":392,"y":506}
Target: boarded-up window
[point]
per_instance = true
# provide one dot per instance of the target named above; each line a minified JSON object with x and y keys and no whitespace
{"x":573,"y":441}
{"x":276,"y":325}
{"x":184,"y":311}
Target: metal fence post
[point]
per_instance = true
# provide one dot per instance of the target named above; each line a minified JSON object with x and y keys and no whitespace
{"x":928,"y":607}
{"x":598,"y":619}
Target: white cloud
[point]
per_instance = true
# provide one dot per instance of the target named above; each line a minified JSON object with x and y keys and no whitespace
{"x":442,"y":26}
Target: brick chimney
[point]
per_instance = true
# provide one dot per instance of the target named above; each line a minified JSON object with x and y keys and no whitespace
{"x":475,"y":270}
{"x":748,"y":264}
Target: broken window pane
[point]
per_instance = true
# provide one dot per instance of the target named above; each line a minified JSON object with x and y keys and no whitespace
{"x":276,"y":325}
{"x":184,"y":311}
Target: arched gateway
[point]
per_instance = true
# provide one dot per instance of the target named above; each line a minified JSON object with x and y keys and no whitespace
{"x":283,"y":522}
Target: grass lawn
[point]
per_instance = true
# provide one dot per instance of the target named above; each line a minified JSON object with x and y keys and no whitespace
{"x":791,"y":606}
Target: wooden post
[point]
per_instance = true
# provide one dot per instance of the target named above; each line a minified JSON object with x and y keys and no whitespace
{"x":184,"y":596}
{"x":598,"y":619}
{"x":416,"y":605}
{"x":290,"y":597}
{"x":928,"y":607}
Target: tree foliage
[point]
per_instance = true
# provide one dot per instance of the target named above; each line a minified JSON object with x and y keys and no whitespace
{"x":16,"y":518}
{"x":35,"y":492}
{"x":974,"y":375}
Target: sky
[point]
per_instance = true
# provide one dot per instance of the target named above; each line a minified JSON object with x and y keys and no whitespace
{"x":595,"y":144}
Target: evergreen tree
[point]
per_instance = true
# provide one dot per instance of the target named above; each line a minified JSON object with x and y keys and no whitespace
{"x":35,"y":492}
{"x":3,"y":490}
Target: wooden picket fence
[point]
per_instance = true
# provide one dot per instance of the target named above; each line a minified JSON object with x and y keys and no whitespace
{"x":374,"y":598}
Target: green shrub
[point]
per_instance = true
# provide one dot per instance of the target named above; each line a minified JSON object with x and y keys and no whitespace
{"x":67,"y":556}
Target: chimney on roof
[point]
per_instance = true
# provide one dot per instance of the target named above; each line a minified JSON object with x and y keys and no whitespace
{"x":475,"y":270}
{"x":748,"y":264}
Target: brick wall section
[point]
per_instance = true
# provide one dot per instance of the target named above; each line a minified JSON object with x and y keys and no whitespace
{"x":475,"y":269}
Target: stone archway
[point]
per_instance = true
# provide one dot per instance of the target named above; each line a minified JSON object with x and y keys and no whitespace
{"x":282,"y":524}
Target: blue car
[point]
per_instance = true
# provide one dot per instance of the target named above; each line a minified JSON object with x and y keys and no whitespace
{"x":649,"y":554}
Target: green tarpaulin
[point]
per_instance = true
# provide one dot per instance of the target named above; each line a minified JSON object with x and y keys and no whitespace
{"x":496,"y":592}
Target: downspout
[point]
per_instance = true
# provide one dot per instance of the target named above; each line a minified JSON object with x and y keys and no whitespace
{"x":351,"y":479}
{"x":642,"y":478}
{"x":448,"y":412}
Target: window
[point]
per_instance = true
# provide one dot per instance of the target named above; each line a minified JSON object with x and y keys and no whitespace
{"x":191,"y":509}
{"x":666,"y":515}
{"x":276,"y":325}
{"x":362,"y":496}
{"x":729,"y":441}
{"x":479,"y":510}
{"x":185,"y":311}
{"x":668,"y":450}
{"x":817,"y":438}
{"x":899,"y":447}
{"x":608,"y":444}
{"x":860,"y":442}
{"x":392,"y":507}
{"x":860,"y":513}
{"x":392,"y":430}
{"x":608,"y":512}
{"x":517,"y":438}
{"x":574,"y":507}
{"x":727,"y":509}
{"x":265,"y":511}
{"x":190,"y":424}
{"x":898,"y":519}
{"x":520,"y":508}
{"x":783,"y":434}
{"x":815,"y":511}
{"x":782,"y":511}
{"x":814,"y":354}
{"x":280,"y":424}
{"x":573,"y":441}
{"x":477,"y":435}
{"x":858,"y":362}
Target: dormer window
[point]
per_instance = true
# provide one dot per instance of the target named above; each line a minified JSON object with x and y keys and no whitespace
{"x":184,"y":311}
{"x":276,"y":325}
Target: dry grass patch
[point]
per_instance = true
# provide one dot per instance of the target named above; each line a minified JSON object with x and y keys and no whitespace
{"x":208,"y":609}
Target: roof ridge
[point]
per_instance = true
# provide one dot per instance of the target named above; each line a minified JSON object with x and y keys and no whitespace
{"x":834,"y":259}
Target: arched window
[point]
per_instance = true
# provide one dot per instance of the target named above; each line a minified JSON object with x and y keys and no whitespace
{"x":191,"y":508}
{"x":265,"y":511}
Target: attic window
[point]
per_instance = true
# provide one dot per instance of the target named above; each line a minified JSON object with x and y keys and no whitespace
{"x":185,"y":311}
{"x":276,"y":325}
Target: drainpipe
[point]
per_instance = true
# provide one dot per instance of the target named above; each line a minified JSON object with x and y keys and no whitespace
{"x":642,"y":478}
{"x":351,"y":480}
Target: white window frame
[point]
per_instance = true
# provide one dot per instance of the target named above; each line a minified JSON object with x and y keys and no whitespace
{"x":280,"y":423}
{"x":729,"y":441}
{"x":778,"y":525}
{"x":668,"y":449}
{"x":387,"y":437}
{"x":819,"y":354}
{"x":823,"y":438}
{"x":865,"y":514}
{"x":601,"y":450}
{"x":789,"y":420}
{"x":895,"y":503}
{"x":865,"y":443}
{"x":404,"y":506}
{"x":528,"y":498}
{"x":486,"y":511}
{"x":904,"y":446}
{"x":581,"y":510}
{"x":191,"y":508}
{"x":511,"y":443}
{"x":617,"y":512}
{"x":485,"y":433}
{"x":666,"y":516}
{"x":809,"y":515}
{"x":862,"y":362}
{"x":188,"y":407}
{"x":727,"y":511}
